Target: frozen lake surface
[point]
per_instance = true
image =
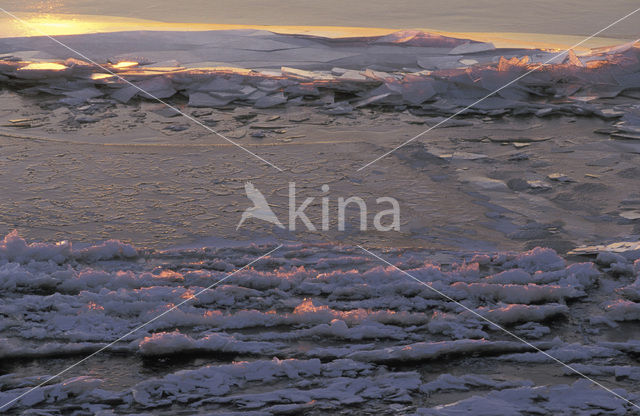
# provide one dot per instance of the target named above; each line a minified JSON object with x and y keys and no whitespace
{"x":550,"y":160}
{"x":508,"y":211}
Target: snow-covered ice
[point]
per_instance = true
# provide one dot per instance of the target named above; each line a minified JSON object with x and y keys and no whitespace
{"x":313,"y":328}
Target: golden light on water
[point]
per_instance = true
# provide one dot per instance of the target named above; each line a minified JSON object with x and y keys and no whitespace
{"x":53,"y":24}
{"x":37,"y":24}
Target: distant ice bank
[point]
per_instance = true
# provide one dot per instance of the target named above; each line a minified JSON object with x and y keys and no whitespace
{"x":427,"y":73}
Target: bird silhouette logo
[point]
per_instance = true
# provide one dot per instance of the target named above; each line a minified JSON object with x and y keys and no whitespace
{"x":260,"y":208}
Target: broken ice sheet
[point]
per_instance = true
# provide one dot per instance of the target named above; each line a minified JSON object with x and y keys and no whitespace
{"x":371,"y":100}
{"x":84,"y":93}
{"x":125,"y":93}
{"x":486,"y":184}
{"x":560,"y":177}
{"x":416,"y":90}
{"x":326,"y":63}
{"x":537,"y":185}
{"x":201,"y":99}
{"x":630,"y":215}
{"x":306,"y":75}
{"x":619,"y":247}
{"x":440,"y":62}
{"x":166,"y":112}
{"x":270,"y":101}
{"x":472,"y":47}
{"x":340,"y":108}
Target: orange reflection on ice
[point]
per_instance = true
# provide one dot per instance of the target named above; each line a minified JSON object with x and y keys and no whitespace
{"x":212,"y":313}
{"x":125,"y":64}
{"x":97,"y":76}
{"x":49,"y":66}
{"x":597,"y":64}
{"x":94,"y":306}
{"x":170,"y":274}
{"x":507,"y":64}
{"x":188,"y":294}
{"x":308,"y":306}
